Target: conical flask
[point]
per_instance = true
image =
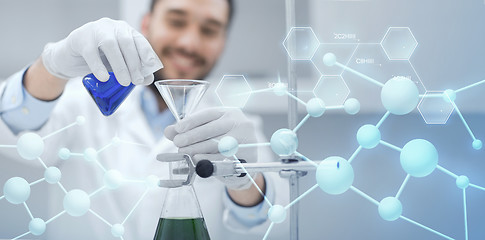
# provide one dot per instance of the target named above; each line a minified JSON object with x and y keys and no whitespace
{"x":181,"y":217}
{"x":108,"y":95}
{"x":181,"y":95}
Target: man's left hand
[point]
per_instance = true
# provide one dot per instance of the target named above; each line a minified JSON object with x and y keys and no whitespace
{"x":198,"y":135}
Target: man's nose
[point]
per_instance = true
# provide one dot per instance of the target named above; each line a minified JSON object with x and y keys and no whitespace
{"x":190,"y":40}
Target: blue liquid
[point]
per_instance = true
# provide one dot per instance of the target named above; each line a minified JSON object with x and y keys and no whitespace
{"x":108,"y":95}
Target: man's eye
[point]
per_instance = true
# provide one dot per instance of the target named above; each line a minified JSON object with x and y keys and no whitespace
{"x":209,"y":31}
{"x":177,"y":23}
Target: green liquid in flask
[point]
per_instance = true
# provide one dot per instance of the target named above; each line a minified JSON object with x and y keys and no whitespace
{"x":181,"y":229}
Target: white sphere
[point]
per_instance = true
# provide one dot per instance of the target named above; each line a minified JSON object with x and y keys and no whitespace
{"x":90,"y":154}
{"x":16,"y":190}
{"x":30,"y":146}
{"x":462,"y":182}
{"x":76,"y":203}
{"x":280,"y":89}
{"x":400,"y":95}
{"x":228,"y":146}
{"x":80,"y":120}
{"x":368,"y":136}
{"x":52,"y":175}
{"x":335,"y":175}
{"x":117,"y":230}
{"x":284,"y":142}
{"x":37,"y":226}
{"x":64,"y":153}
{"x":419,"y":158}
{"x":315,"y":107}
{"x":477,"y":144}
{"x":329,"y":59}
{"x":352,"y":106}
{"x":390,"y":208}
{"x":113,"y":179}
{"x":277,"y":214}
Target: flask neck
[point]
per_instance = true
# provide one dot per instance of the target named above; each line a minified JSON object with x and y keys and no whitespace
{"x":181,"y":203}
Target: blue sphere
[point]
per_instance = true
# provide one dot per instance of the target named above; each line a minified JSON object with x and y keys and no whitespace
{"x":329,"y":59}
{"x":228,"y":146}
{"x":400,"y":96}
{"x":462,"y":182}
{"x":368,"y":136}
{"x":419,"y":158}
{"x":390,"y":208}
{"x":477,"y":144}
{"x":315,"y":107}
{"x":284,"y":142}
{"x":335,"y":175}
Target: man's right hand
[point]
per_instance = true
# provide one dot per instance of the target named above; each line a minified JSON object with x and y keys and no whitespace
{"x":87,"y":49}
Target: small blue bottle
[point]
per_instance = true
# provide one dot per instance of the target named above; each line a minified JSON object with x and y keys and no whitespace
{"x":107,"y":95}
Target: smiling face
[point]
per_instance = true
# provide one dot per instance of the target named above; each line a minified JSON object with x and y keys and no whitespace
{"x":187,"y":35}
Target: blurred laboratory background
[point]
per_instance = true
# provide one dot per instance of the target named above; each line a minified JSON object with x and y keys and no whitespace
{"x":450,"y":36}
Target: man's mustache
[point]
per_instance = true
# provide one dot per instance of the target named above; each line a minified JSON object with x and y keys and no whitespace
{"x":199,"y":60}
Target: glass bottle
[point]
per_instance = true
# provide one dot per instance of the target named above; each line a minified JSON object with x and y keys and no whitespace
{"x":108,"y":95}
{"x":181,"y":217}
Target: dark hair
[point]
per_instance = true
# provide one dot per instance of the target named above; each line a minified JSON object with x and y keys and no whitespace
{"x":229,"y":2}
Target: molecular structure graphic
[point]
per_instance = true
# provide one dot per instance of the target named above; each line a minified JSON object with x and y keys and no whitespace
{"x":399,"y":96}
{"x":76,"y":202}
{"x":334,"y":175}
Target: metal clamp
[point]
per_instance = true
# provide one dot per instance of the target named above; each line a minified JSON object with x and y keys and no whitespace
{"x":227,"y":167}
{"x":177,"y":157}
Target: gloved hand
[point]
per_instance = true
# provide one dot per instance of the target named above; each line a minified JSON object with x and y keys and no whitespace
{"x":197,"y":135}
{"x":94,"y":45}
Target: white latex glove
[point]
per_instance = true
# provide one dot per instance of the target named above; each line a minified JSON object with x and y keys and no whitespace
{"x":128,"y":53}
{"x":198,"y":135}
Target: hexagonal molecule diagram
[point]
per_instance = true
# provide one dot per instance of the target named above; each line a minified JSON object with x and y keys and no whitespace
{"x":434,"y":108}
{"x":399,"y":43}
{"x":233,"y":91}
{"x":301,"y":43}
{"x":332,"y":90}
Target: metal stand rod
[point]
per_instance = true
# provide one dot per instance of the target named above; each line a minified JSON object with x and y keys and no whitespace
{"x":292,"y":121}
{"x":292,"y":86}
{"x":275,"y":167}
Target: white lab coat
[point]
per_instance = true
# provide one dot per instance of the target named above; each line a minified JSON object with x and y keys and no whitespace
{"x":134,"y":162}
